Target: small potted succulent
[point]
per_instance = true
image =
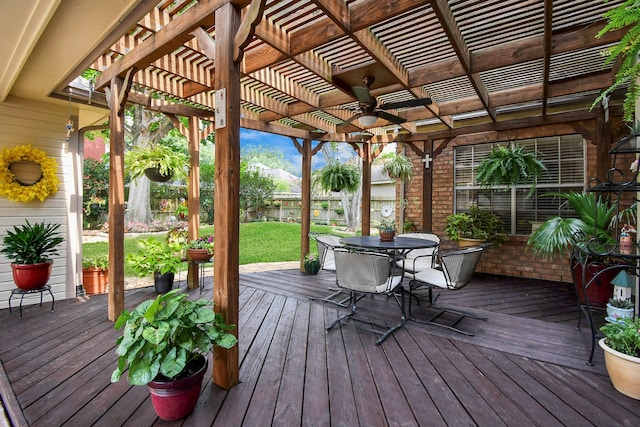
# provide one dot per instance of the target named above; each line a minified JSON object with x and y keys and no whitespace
{"x":618,"y":308}
{"x":31,"y":247}
{"x":312,"y":263}
{"x":387,"y":231}
{"x":621,"y":346}
{"x":200,"y":249}
{"x":165,"y":344}
{"x":157,"y":258}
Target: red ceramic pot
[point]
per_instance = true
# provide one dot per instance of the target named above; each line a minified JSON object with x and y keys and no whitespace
{"x":31,"y":276}
{"x":174,"y":400}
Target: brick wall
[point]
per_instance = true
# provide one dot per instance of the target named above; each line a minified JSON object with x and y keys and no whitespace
{"x":513,"y":257}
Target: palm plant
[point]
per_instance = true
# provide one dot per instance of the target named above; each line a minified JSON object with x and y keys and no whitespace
{"x":560,"y":235}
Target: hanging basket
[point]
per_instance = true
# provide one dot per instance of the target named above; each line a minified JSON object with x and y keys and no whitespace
{"x":154,"y":175}
{"x":26,"y":172}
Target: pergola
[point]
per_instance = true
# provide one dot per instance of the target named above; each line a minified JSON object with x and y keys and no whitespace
{"x":290,"y":67}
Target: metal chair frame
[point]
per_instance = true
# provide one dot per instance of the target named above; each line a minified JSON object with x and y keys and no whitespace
{"x":454,"y":271}
{"x":361,"y":273}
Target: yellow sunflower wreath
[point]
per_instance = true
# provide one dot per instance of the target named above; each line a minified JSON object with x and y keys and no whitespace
{"x":12,"y":189}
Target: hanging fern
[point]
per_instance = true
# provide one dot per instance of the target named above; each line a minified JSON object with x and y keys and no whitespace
{"x":338,"y":176}
{"x":399,"y":168}
{"x":509,"y":166}
{"x":627,"y":50}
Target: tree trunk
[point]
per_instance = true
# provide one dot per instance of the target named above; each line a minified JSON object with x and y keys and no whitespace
{"x":139,"y":203}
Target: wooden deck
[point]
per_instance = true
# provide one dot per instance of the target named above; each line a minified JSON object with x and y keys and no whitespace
{"x":525,"y":366}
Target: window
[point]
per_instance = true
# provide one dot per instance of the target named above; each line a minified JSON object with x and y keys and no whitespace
{"x":564,"y":158}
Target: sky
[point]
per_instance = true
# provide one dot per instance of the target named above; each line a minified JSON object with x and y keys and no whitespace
{"x":252,"y":138}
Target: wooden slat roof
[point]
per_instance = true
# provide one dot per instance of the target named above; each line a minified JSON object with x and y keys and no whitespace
{"x":480,"y":61}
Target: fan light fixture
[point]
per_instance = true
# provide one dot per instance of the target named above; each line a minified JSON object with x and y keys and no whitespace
{"x":367,"y":119}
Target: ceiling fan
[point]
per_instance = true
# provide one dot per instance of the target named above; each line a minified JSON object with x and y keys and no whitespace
{"x":370,"y":111}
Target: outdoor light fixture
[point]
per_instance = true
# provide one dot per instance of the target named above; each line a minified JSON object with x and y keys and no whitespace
{"x":367,"y":119}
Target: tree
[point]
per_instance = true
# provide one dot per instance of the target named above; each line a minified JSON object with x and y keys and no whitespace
{"x":95,"y":192}
{"x":268,"y":156}
{"x":254,"y":188}
{"x":351,"y":201}
{"x":144,"y":128}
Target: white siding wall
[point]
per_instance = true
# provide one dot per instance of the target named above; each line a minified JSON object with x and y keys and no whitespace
{"x":43,"y":125}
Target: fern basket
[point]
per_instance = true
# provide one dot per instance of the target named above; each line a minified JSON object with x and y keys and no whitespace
{"x":509,"y":166}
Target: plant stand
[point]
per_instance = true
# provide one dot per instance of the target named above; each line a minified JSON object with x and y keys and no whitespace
{"x":23,"y":292}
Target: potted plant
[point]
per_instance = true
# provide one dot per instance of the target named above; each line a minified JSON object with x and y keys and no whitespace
{"x":157,"y":258}
{"x":474,"y":227}
{"x":158,"y":162}
{"x":200,"y":249}
{"x":509,"y":166}
{"x":621,"y":346}
{"x":619,"y":309}
{"x":560,"y":235}
{"x":312,"y":263}
{"x":181,"y":212}
{"x":165,"y":344}
{"x":95,"y":274}
{"x":387,"y":230}
{"x":31,"y":246}
{"x":338,"y":176}
{"x":399,"y":168}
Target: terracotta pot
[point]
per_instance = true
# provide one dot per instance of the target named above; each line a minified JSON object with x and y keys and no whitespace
{"x":154,"y":175}
{"x":624,"y":370}
{"x":463,"y":242}
{"x":387,"y":236}
{"x":31,"y":276}
{"x":174,"y":400}
{"x":94,"y":280}
{"x":198,"y":254}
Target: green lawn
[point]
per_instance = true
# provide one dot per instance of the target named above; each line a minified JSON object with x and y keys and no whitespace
{"x":259,"y":242}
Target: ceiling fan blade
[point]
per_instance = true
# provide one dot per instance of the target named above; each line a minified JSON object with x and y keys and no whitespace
{"x":349,"y":120}
{"x":405,"y":104}
{"x":390,"y":117}
{"x":363,"y":95}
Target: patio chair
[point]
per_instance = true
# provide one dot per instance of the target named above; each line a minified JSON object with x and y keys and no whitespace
{"x":418,"y":259}
{"x":454,"y":272}
{"x":327,"y":243}
{"x":362,"y":273}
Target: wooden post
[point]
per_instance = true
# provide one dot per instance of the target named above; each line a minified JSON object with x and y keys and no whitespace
{"x":366,"y":188}
{"x":306,"y":201}
{"x":117,"y":95}
{"x":193,"y":201}
{"x":227,"y":180}
{"x":427,"y":183}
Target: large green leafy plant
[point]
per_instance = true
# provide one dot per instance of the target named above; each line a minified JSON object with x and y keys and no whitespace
{"x":475,"y":224}
{"x":162,"y":336}
{"x":623,"y":336}
{"x":155,"y":256}
{"x":32,"y":243}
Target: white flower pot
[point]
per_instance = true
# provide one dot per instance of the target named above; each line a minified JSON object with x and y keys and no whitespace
{"x":624,"y":370}
{"x":619,"y":313}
